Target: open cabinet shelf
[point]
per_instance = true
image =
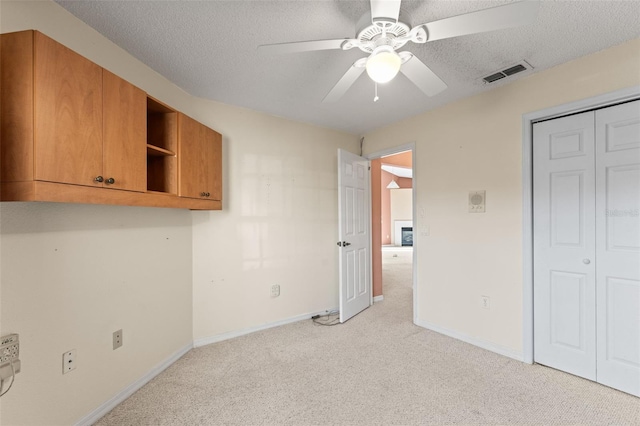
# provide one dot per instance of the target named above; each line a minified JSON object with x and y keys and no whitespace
{"x":162,"y":144}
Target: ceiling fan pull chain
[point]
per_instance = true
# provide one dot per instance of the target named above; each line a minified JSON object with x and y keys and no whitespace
{"x":375,"y":98}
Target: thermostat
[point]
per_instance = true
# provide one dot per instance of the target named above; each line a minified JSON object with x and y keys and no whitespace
{"x":477,"y":201}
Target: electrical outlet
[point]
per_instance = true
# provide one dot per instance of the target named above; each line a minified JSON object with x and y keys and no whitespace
{"x":68,"y":361}
{"x":485,"y":302}
{"x":9,"y":352}
{"x":117,"y":339}
{"x":9,"y":348}
{"x":275,"y":290}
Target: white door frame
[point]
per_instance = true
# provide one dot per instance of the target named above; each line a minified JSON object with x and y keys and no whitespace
{"x":623,"y":95}
{"x":416,"y":238}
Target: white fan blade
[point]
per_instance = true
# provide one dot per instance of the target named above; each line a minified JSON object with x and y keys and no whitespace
{"x":422,"y":76}
{"x":495,"y":18}
{"x":302,"y":46}
{"x":385,"y":10}
{"x":345,"y":82}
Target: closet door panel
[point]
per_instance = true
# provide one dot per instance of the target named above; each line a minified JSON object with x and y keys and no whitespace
{"x":564,"y":244}
{"x":618,"y":246}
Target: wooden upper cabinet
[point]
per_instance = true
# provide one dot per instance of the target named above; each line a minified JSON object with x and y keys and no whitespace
{"x":200,"y":160}
{"x":68,"y":115}
{"x":71,"y":131}
{"x":89,"y":125}
{"x":16,"y":107}
{"x":125,"y":134}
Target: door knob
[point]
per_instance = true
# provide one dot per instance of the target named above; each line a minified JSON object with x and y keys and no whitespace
{"x":346,"y":244}
{"x":586,"y":261}
{"x":99,"y":179}
{"x":110,"y":181}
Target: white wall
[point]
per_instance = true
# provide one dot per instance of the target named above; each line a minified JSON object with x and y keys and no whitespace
{"x":73,"y":274}
{"x":472,"y":144}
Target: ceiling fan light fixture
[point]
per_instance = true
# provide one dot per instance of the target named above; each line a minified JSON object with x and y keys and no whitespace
{"x":383,"y":64}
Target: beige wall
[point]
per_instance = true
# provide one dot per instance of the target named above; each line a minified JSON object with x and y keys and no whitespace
{"x":278,"y":226}
{"x":73,"y":274}
{"x":476,"y":144}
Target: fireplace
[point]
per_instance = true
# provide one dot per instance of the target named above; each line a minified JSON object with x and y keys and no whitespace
{"x":407,"y":236}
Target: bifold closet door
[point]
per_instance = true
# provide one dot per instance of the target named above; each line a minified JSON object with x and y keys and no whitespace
{"x":618,"y":246}
{"x":587,"y":245}
{"x":564,"y":244}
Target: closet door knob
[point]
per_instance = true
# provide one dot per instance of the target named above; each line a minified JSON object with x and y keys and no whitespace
{"x":99,"y":179}
{"x":111,"y":181}
{"x":207,"y":194}
{"x":203,"y":194}
{"x":586,"y":261}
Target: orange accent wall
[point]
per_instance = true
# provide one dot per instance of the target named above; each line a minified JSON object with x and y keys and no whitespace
{"x":403,"y":159}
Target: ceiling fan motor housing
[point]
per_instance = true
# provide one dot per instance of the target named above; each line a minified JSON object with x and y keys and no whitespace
{"x":395,"y":35}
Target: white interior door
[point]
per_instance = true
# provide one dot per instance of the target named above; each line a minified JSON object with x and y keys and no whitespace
{"x":564,"y":244}
{"x":618,"y":246}
{"x":354,"y":237}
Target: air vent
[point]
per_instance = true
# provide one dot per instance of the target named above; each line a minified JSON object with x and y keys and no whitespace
{"x":514,"y":70}
{"x":523,"y":66}
{"x":494,"y":77}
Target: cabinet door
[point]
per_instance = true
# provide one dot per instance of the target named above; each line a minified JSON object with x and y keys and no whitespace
{"x":124,"y":147}
{"x":68,"y":115}
{"x":199,"y":156}
{"x":215,"y":181}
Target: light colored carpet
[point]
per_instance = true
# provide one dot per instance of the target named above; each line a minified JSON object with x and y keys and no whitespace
{"x":376,"y":369}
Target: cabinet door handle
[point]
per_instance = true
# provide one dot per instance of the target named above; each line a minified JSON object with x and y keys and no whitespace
{"x":99,"y":179}
{"x":203,"y":194}
{"x":207,"y":194}
{"x":110,"y":181}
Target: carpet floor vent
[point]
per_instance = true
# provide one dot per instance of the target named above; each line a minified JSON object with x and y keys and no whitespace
{"x":507,"y":72}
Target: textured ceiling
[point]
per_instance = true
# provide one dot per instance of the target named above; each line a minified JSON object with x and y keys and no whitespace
{"x":208,"y":48}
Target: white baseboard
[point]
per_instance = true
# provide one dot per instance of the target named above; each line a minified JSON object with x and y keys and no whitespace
{"x":231,"y":334}
{"x":109,"y":405}
{"x":499,"y":349}
{"x":378,"y":298}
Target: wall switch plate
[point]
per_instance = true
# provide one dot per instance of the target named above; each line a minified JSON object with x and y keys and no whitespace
{"x":117,"y":339}
{"x":275,"y":290}
{"x":68,"y":361}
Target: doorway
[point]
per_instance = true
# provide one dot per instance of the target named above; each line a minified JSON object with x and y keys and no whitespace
{"x":394,"y":242}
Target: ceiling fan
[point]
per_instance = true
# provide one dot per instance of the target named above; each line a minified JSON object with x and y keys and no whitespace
{"x":386,"y":34}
